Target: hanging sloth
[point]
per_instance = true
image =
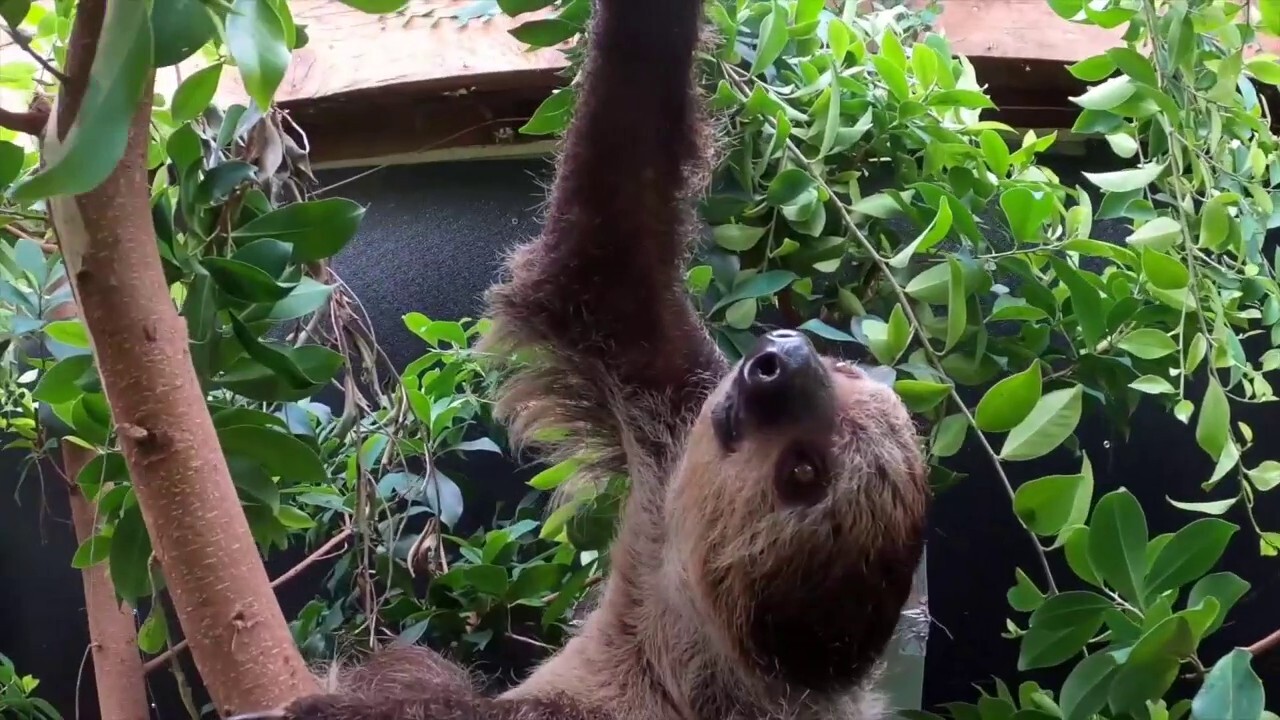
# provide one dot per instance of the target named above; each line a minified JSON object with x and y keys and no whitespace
{"x":777,"y":506}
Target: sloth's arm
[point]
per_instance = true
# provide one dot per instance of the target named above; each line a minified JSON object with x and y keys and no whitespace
{"x":599,"y":296}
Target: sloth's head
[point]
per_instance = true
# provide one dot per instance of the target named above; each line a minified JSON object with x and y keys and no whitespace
{"x":797,"y":514}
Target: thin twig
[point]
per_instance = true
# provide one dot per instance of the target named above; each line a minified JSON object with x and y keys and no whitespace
{"x":24,"y":42}
{"x":321,"y":553}
{"x":1266,"y":644}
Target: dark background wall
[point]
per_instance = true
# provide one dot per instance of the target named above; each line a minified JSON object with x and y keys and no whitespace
{"x":430,"y":243}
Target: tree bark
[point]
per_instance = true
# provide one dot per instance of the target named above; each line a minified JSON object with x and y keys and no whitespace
{"x":117,"y":665}
{"x":238,"y":635}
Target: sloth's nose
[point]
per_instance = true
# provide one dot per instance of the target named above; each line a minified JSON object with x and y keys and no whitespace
{"x":778,"y":357}
{"x":782,"y":380}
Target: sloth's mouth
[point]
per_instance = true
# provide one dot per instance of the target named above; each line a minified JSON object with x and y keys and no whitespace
{"x":781,"y":386}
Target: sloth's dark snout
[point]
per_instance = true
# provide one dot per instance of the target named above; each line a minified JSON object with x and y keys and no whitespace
{"x":781,"y":384}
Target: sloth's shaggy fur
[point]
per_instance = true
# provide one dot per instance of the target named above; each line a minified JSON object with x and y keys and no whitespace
{"x":725,"y":601}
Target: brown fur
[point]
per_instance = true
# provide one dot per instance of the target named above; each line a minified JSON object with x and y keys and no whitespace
{"x":725,"y":601}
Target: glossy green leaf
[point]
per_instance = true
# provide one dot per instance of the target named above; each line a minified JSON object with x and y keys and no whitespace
{"x":920,"y":395}
{"x":281,"y":455}
{"x":1153,"y":385}
{"x":1147,"y":343}
{"x":956,"y":305}
{"x":1118,"y":544}
{"x":1194,"y":550}
{"x":1060,"y":627}
{"x":1085,"y":302}
{"x":58,"y":384}
{"x":738,"y":238}
{"x":1225,"y":587}
{"x":153,"y":633}
{"x":773,"y":38}
{"x":1049,"y":504}
{"x":1049,"y":424}
{"x":1121,"y":181}
{"x":1106,"y":95}
{"x":1266,"y":476}
{"x":195,"y":93}
{"x":1213,"y":426}
{"x":1158,"y":234}
{"x":130,"y":555}
{"x":949,"y":435}
{"x":181,"y":27}
{"x":1009,"y":401}
{"x":1085,"y":691}
{"x":1024,"y":596}
{"x":1152,"y":665}
{"x":1232,"y":689}
{"x":256,"y":40}
{"x":317,"y":229}
{"x":553,"y":115}
{"x":96,"y":140}
{"x":931,"y":236}
{"x":92,"y":551}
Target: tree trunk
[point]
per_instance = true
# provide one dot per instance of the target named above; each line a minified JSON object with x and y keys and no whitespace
{"x":117,"y":665}
{"x":238,"y":635}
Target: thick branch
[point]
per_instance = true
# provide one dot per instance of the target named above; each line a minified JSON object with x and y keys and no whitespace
{"x":238,"y":635}
{"x":117,"y":665}
{"x":323,"y":552}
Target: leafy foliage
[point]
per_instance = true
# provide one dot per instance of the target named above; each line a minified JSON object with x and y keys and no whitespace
{"x":16,"y":699}
{"x":865,"y":199}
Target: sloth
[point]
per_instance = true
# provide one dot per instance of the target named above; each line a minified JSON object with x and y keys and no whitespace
{"x":777,"y":504}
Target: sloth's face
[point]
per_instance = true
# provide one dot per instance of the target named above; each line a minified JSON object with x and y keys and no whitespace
{"x":797,"y":513}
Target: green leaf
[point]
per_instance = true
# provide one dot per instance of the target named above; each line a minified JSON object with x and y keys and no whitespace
{"x":195,"y":93}
{"x":887,"y":341}
{"x":1232,"y":689}
{"x":1193,"y":551}
{"x":1164,"y":272}
{"x":57,"y":385}
{"x":536,"y":581}
{"x":1060,"y":628}
{"x":1213,"y":507}
{"x":544,"y":32}
{"x":1118,"y":544}
{"x":317,"y":229}
{"x":553,"y":115}
{"x":554,"y":476}
{"x":282,"y":455}
{"x":1085,"y":302}
{"x":1266,"y":476}
{"x":69,"y":332}
{"x":14,"y":11}
{"x":487,"y":579}
{"x":738,"y":238}
{"x":293,"y":518}
{"x":1050,"y":422}
{"x":1153,"y":385}
{"x":379,"y":7}
{"x":256,"y":40}
{"x":950,"y":435}
{"x":1126,"y":180}
{"x":821,"y":329}
{"x":92,"y":551}
{"x":995,"y":151}
{"x":153,"y":633}
{"x":243,"y":281}
{"x":1215,"y":225}
{"x":305,"y":298}
{"x":97,"y":137}
{"x":763,"y":285}
{"x":1047,"y":505}
{"x":741,"y":314}
{"x":1026,"y":211}
{"x":1085,"y":691}
{"x":180,"y":28}
{"x":932,"y":234}
{"x":1024,"y":596}
{"x":1147,"y":343}
{"x":956,"y":307}
{"x":1009,"y":401}
{"x":1225,"y":587}
{"x":919,"y":395}
{"x":1213,"y":426}
{"x":1106,"y":95}
{"x":1159,"y":233}
{"x":12,"y":158}
{"x":790,"y":186}
{"x":130,"y":555}
{"x":1152,"y":665}
{"x":773,"y":38}
{"x":250,"y":377}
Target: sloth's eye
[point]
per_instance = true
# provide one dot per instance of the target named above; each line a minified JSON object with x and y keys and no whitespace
{"x":801,"y":476}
